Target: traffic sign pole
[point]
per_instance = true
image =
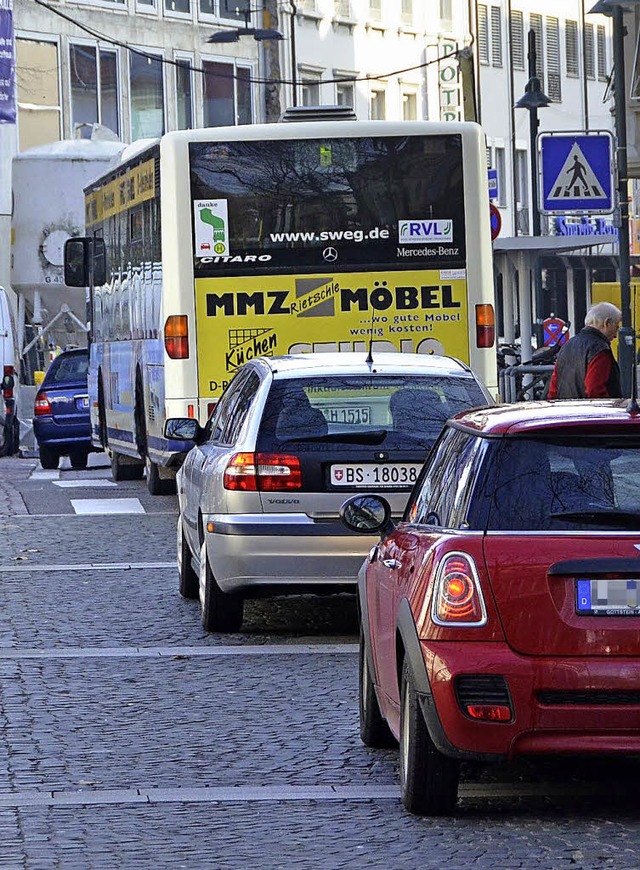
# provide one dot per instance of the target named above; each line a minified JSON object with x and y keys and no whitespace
{"x":626,"y":336}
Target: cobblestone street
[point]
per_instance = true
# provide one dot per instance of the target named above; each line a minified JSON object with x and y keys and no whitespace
{"x":129,"y":738}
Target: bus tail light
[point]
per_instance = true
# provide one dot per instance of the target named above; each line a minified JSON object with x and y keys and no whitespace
{"x":457,"y":597}
{"x":485,"y":325}
{"x":42,"y":407}
{"x":264,"y":472}
{"x":176,"y":336}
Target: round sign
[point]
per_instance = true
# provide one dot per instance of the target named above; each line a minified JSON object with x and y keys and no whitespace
{"x":496,"y":222}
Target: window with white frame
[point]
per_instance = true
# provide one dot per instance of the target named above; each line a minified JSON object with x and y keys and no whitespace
{"x":375,"y":10}
{"x":310,"y":87}
{"x":490,"y":35}
{"x":409,"y":105}
{"x":377,"y":105}
{"x":406,"y":13}
{"x":345,"y":94}
{"x":184,"y":93}
{"x":601,"y":37}
{"x":446,"y":14}
{"x":572,"y":51}
{"x":342,"y":8}
{"x":236,"y":10}
{"x":308,"y":6}
{"x":227,"y":99}
{"x":496,"y":36}
{"x":535,"y":24}
{"x":146,"y":88}
{"x":589,"y":52}
{"x":500,"y":165}
{"x":483,"y":34}
{"x":146,"y":5}
{"x":93,"y":79}
{"x":518,"y":52}
{"x":181,"y":6}
{"x":522,"y":190}
{"x":38,"y":92}
{"x":554,"y":81}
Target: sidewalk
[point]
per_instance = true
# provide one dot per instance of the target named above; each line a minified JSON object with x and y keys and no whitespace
{"x":13,"y":470}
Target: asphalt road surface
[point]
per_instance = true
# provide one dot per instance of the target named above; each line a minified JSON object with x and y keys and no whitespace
{"x":130,"y":738}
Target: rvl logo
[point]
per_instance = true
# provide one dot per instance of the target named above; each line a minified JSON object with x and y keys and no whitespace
{"x":420,"y":231}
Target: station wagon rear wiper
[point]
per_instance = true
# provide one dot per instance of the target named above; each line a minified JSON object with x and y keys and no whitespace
{"x":373,"y":436}
{"x":605,"y":516}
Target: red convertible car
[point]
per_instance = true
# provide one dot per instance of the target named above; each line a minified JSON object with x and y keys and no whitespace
{"x":501,"y":617}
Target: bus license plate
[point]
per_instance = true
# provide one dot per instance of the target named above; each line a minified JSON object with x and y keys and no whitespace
{"x":376,"y":476}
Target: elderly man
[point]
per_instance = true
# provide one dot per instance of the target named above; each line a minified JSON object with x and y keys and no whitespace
{"x":585,"y":367}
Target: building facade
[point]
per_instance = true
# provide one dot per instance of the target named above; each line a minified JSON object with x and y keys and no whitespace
{"x":138,"y":68}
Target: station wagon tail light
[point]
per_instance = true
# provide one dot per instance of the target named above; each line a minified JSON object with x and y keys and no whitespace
{"x":457,"y":597}
{"x":176,"y":336}
{"x":485,"y":325}
{"x":42,"y":406}
{"x":263,"y":472}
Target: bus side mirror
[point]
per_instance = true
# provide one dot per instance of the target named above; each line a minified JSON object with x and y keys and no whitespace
{"x":85,"y":262}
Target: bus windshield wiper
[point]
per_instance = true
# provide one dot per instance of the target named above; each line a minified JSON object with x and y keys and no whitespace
{"x":372,"y":436}
{"x":605,"y":516}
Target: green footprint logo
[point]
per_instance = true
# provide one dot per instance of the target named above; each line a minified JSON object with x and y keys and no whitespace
{"x":215,"y":222}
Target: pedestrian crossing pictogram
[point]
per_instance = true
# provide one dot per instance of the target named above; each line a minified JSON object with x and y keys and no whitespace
{"x":576,"y":179}
{"x":577,"y":172}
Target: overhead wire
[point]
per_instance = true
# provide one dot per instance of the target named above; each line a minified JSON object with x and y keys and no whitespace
{"x":252,"y":80}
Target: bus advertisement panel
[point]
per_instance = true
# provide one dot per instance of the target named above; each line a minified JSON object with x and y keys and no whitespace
{"x":411,"y":312}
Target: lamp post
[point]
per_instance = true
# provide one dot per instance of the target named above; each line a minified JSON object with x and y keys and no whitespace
{"x":626,"y":336}
{"x":271,"y":58}
{"x":533,"y":99}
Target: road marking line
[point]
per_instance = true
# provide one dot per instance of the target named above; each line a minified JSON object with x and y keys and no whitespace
{"x":96,"y":483}
{"x":163,"y":652}
{"x":173,"y":513}
{"x":104,"y":566}
{"x":44,"y":475}
{"x":107,"y":506}
{"x":283,"y":794}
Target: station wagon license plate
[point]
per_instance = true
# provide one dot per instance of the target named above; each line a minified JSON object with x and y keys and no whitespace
{"x":608,"y":597}
{"x":390,"y":474}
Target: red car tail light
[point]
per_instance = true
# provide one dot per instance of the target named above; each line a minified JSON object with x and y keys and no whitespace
{"x":176,"y":336}
{"x":457,"y":597}
{"x":42,"y":406}
{"x":266,"y":472}
{"x":7,"y":391}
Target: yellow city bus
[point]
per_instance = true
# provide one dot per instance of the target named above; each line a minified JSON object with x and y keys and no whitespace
{"x":213,"y":246}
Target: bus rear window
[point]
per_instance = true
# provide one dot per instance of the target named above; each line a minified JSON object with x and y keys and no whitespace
{"x":373,"y":200}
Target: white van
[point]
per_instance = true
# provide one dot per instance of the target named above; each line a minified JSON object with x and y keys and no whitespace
{"x":9,"y":426}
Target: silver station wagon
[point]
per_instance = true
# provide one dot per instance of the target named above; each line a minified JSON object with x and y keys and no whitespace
{"x":289,"y":441}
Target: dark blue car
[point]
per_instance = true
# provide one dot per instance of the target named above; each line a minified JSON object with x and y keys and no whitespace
{"x":61,"y":413}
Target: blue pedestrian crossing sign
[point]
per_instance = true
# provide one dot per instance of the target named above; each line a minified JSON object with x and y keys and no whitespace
{"x":577,"y":172}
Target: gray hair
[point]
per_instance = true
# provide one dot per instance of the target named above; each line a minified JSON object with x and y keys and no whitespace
{"x":598,"y":314}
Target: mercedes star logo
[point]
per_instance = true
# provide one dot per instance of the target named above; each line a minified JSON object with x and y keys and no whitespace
{"x":330,"y":255}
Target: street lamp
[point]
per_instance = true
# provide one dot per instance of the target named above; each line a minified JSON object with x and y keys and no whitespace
{"x":533,"y":99}
{"x":626,"y":336}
